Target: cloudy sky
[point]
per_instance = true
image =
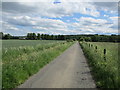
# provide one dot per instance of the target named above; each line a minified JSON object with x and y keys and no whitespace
{"x":59,"y":17}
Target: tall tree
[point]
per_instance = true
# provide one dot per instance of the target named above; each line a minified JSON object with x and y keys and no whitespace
{"x":28,"y":36}
{"x":42,"y":36}
{"x":7,"y":36}
{"x":52,"y":37}
{"x":38,"y":36}
{"x":34,"y":36}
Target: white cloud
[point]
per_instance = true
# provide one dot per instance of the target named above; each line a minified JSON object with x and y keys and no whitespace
{"x":61,"y":0}
{"x":21,"y":20}
{"x":106,"y":15}
{"x":115,"y":22}
{"x":50,"y":9}
{"x":91,"y":26}
{"x":12,"y":29}
{"x":92,"y":20}
{"x":111,"y":7}
{"x":34,"y":17}
{"x":84,"y":25}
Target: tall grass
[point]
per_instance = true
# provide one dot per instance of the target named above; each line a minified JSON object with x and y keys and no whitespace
{"x":20,"y":63}
{"x":103,"y":58}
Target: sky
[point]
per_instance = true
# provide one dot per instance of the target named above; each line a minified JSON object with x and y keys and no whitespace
{"x":59,"y":17}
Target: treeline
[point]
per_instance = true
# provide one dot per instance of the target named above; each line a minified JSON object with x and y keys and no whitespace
{"x":38,"y":36}
{"x":7,"y":36}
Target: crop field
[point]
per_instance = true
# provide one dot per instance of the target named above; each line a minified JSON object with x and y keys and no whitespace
{"x":104,"y":62}
{"x":19,"y":43}
{"x":23,"y":58}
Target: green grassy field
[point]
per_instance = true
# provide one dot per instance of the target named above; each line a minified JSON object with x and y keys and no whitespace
{"x":104,"y":64}
{"x":20,"y":43}
{"x":20,"y":61}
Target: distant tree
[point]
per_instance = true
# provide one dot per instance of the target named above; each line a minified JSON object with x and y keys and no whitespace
{"x":15,"y":37}
{"x":82,"y":39}
{"x":28,"y":36}
{"x":59,"y":37}
{"x":31,"y":36}
{"x":34,"y":36}
{"x":56,"y":37}
{"x":62,"y":37}
{"x":118,"y":38}
{"x":51,"y":37}
{"x":87,"y":39}
{"x":42,"y":36}
{"x":7,"y":36}
{"x":47,"y":37}
{"x":38,"y":36}
{"x":95,"y":38}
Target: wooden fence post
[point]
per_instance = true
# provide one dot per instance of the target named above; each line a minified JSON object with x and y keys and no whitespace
{"x":105,"y":54}
{"x":91,"y":45}
{"x":96,"y":48}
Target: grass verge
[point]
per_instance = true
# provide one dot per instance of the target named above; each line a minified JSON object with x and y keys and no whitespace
{"x":104,"y":63}
{"x":21,"y":63}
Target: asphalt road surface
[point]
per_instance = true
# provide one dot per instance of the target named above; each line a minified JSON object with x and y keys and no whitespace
{"x":69,"y":70}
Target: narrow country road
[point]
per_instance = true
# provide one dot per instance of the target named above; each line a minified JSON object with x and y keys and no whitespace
{"x":69,"y":70}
